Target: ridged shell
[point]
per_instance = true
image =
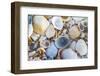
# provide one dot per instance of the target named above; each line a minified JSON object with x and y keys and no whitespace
{"x":74,"y":32}
{"x":81,"y":47}
{"x":40,"y":24}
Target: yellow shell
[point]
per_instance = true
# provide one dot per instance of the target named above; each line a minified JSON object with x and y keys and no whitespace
{"x":40,"y":24}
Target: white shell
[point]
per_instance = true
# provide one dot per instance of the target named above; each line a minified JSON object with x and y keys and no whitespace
{"x":74,"y":32}
{"x":73,"y":44}
{"x":69,"y":54}
{"x":40,"y":24}
{"x":81,"y":47}
{"x":50,"y":31}
{"x":35,"y":36}
{"x":57,"y":22}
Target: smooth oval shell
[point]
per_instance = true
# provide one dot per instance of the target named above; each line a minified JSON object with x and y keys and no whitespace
{"x":50,"y":31}
{"x":74,"y":32}
{"x":62,"y":42}
{"x":57,"y":22}
{"x":68,"y":54}
{"x":40,"y":24}
{"x":81,"y":47}
{"x":51,"y":51}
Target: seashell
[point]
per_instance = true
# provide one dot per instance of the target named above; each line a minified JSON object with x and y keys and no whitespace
{"x":73,"y":44}
{"x":77,"y":19}
{"x":48,"y":17}
{"x":50,"y":31}
{"x":57,"y":22}
{"x":36,"y":59}
{"x":68,"y":54}
{"x":40,"y":24}
{"x":62,"y":42}
{"x":41,"y":51}
{"x":42,"y":38}
{"x":66,"y":19}
{"x":74,"y":32}
{"x":45,"y":43}
{"x":81,"y":47}
{"x":30,"y":27}
{"x":51,"y":51}
{"x":32,"y":53}
{"x":35,"y":36}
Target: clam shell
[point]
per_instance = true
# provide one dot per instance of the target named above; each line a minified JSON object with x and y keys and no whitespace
{"x":45,"y":43}
{"x":51,"y":51}
{"x":74,"y":32}
{"x":40,"y":24}
{"x":62,"y":42}
{"x":68,"y":54}
{"x":81,"y":47}
{"x":50,"y":31}
{"x":57,"y":22}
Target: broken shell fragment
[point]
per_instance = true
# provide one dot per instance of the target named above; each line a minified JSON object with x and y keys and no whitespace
{"x":51,"y":51}
{"x":57,"y":22}
{"x":81,"y":47}
{"x":45,"y":43}
{"x":50,"y":31}
{"x":74,"y":32}
{"x":68,"y":54}
{"x":62,"y":42}
{"x":40,"y":24}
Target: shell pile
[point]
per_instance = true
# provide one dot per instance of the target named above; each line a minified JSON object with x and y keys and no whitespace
{"x":57,"y":37}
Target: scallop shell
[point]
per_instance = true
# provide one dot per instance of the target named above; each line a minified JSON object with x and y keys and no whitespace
{"x":68,"y":54}
{"x":45,"y":43}
{"x":74,"y":32}
{"x":51,"y":51}
{"x":62,"y":42}
{"x":57,"y":22}
{"x":50,"y":31}
{"x":40,"y":24}
{"x":81,"y":47}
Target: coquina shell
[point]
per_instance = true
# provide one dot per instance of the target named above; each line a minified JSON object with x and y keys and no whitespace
{"x":35,"y":36}
{"x":51,"y":51}
{"x":74,"y":32}
{"x":50,"y":31}
{"x":68,"y":54}
{"x":40,"y":24}
{"x":45,"y":43}
{"x":81,"y":47}
{"x":57,"y":22}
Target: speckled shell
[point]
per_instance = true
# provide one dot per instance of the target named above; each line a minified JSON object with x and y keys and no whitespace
{"x":74,"y":32}
{"x":40,"y":24}
{"x":68,"y":54}
{"x":81,"y":47}
{"x":51,"y":51}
